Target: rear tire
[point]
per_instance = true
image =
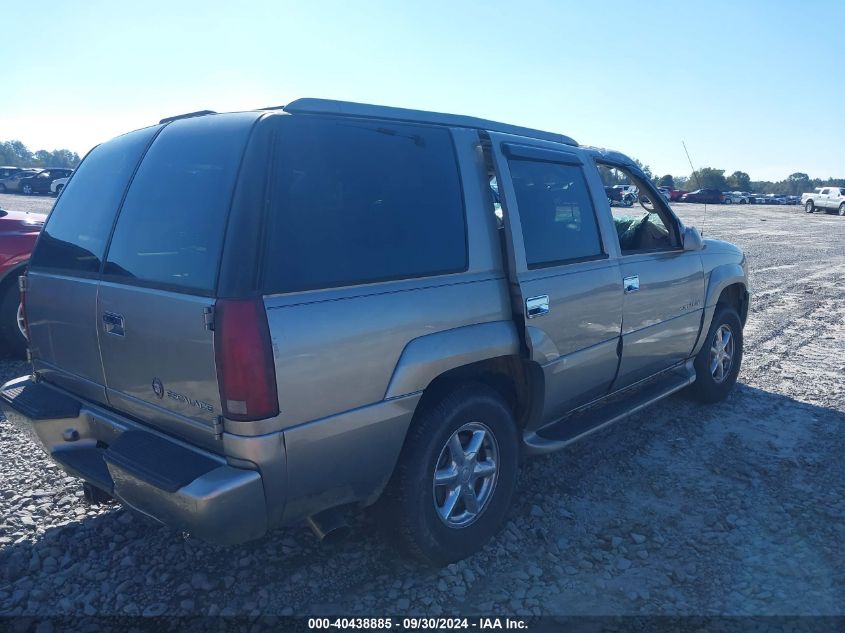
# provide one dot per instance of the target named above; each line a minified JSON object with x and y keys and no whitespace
{"x":715,"y":373}
{"x":94,"y":496}
{"x":842,"y":209}
{"x":2,"y":188}
{"x":416,"y":509}
{"x":809,"y":207}
{"x":10,"y":303}
{"x":27,"y":190}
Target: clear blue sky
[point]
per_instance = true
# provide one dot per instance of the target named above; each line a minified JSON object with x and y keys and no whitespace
{"x":757,"y":86}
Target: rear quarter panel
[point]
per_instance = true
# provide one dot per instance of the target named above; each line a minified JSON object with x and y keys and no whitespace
{"x":338,"y":350}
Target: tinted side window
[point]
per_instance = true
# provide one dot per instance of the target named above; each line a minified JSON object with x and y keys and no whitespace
{"x":74,"y":237}
{"x":357,"y":202}
{"x":556,"y":212}
{"x":170,"y":229}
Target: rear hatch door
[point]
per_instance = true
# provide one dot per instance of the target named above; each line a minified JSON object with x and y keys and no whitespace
{"x":64,"y":269}
{"x":157,"y":291}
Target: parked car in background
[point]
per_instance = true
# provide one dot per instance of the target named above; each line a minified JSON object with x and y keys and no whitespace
{"x":793,"y":199}
{"x":18,"y":231}
{"x":625,"y":195}
{"x":775,"y":198}
{"x":176,"y":363}
{"x":40,"y":182}
{"x":825,"y":199}
{"x":707,"y":196}
{"x":7,"y":171}
{"x":58,"y":184}
{"x":12,"y":182}
{"x":736,"y":197}
{"x":676,"y":194}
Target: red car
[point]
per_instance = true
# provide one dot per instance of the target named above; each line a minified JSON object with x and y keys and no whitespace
{"x":18,"y":232}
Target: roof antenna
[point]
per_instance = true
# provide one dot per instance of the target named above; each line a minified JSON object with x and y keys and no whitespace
{"x":698,"y":182}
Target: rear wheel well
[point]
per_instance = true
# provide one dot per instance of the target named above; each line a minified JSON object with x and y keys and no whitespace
{"x":514,"y":378}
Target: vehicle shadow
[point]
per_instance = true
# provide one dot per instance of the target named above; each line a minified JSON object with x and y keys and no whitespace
{"x":722,"y":495}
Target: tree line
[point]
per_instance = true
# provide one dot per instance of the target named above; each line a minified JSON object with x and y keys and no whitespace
{"x":16,"y":154}
{"x":710,"y":178}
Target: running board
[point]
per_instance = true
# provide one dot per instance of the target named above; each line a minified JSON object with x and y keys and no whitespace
{"x":595,"y":416}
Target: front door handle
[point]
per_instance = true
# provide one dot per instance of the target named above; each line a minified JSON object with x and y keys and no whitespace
{"x":631,"y":284}
{"x":537,"y":306}
{"x":113,"y":324}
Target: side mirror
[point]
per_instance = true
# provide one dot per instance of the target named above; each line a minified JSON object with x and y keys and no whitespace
{"x":692,"y":239}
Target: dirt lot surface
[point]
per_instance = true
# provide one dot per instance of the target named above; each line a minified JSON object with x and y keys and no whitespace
{"x":736,"y":508}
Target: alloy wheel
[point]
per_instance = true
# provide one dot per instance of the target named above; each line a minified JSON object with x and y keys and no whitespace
{"x":21,"y":321}
{"x":465,"y":475}
{"x":721,"y":353}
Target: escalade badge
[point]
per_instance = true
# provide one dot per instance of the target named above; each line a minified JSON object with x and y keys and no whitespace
{"x":158,"y":388}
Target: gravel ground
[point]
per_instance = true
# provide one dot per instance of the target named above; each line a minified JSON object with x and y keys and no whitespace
{"x":684,"y":509}
{"x":33,"y":204}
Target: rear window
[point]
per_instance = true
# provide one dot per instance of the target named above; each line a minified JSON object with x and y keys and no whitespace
{"x":170,"y":229}
{"x":358,"y":202}
{"x":74,"y":237}
{"x":556,"y":213}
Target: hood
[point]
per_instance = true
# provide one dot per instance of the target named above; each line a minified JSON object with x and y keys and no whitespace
{"x":720,"y":246}
{"x":21,"y":221}
{"x":727,"y":252}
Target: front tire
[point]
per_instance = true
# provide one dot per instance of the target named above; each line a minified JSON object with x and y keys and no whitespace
{"x":27,"y":190}
{"x":809,"y":207}
{"x":717,"y":364}
{"x":453,"y":484}
{"x":842,"y":210}
{"x":11,"y":321}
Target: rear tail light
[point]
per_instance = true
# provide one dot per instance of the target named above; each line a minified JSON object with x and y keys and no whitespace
{"x":245,"y":371}
{"x":24,"y":324}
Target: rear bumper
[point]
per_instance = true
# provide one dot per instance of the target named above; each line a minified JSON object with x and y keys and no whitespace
{"x":168,"y":480}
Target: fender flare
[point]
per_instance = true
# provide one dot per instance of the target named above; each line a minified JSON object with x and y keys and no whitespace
{"x":426,"y":357}
{"x":719,"y":278}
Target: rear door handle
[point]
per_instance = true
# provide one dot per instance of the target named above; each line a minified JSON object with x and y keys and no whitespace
{"x":631,"y":284}
{"x":537,"y":306}
{"x":113,"y":324}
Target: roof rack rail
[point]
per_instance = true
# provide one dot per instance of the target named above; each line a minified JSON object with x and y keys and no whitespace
{"x":281,"y":107}
{"x":189,"y":115}
{"x":350,"y":109}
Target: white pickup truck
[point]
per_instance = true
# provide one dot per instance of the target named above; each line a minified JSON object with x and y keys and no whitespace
{"x":825,"y":199}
